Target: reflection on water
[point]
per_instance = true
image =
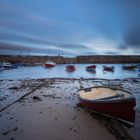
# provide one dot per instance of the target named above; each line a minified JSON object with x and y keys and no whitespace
{"x":59,"y":71}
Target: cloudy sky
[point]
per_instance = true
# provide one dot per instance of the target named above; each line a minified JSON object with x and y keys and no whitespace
{"x":70,"y":27}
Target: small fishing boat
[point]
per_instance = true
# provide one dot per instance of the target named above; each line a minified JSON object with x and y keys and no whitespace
{"x":137,"y":65}
{"x":6,"y":65}
{"x":129,"y":67}
{"x":1,"y":68}
{"x":107,"y":68}
{"x":139,"y":71}
{"x":49,"y":64}
{"x":91,"y":68}
{"x":70,"y":68}
{"x":15,"y":65}
{"x":112,"y":102}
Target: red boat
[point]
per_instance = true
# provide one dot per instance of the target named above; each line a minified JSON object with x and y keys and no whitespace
{"x":116,"y":103}
{"x":70,"y":68}
{"x":49,"y":64}
{"x":106,"y":68}
{"x":91,"y":68}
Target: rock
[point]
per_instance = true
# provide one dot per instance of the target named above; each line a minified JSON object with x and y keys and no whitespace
{"x":6,"y":132}
{"x":70,"y":128}
{"x":55,"y":119}
{"x":15,"y":88}
{"x":74,"y":130}
{"x":15,"y":129}
{"x":11,"y":118}
{"x":40,"y":112}
{"x":1,"y":99}
{"x":74,"y":117}
{"x":37,"y":98}
{"x":50,"y":95}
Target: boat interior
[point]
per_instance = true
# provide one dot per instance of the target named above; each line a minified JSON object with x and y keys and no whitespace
{"x":102,"y":93}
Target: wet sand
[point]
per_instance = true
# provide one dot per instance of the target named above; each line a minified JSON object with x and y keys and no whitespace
{"x":47,"y":109}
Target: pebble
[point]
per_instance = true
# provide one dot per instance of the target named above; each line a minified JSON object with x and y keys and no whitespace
{"x":15,"y":129}
{"x":6,"y":132}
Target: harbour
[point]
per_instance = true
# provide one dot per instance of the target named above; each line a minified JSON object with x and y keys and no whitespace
{"x":69,"y":70}
{"x":59,"y":71}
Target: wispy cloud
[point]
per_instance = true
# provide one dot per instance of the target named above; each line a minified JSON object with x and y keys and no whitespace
{"x":111,"y":53}
{"x":50,"y":50}
{"x":74,"y":27}
{"x":27,"y":15}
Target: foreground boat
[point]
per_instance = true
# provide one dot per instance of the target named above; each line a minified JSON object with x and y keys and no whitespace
{"x":70,"y":68}
{"x":108,"y":101}
{"x":49,"y":64}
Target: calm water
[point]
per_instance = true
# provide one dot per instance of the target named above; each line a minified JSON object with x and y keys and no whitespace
{"x":34,"y":72}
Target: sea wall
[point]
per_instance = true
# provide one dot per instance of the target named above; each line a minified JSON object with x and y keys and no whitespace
{"x":108,"y":59}
{"x":36,"y":59}
{"x":78,"y":59}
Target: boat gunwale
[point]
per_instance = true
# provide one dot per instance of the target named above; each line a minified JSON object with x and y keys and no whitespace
{"x":128,"y":99}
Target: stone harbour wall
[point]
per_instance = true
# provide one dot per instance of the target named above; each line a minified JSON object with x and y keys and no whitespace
{"x":65,"y":60}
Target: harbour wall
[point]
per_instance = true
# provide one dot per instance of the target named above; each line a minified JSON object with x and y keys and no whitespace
{"x":65,"y":60}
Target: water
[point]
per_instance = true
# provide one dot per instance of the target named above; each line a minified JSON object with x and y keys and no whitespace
{"x":59,"y":71}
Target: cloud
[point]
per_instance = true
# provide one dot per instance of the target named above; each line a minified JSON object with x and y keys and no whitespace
{"x":117,"y":20}
{"x":27,"y":15}
{"x":102,"y":45}
{"x":51,"y":48}
{"x":35,"y":41}
{"x":76,"y":27}
{"x":132,"y":38}
{"x":23,"y":20}
{"x":90,"y":53}
{"x":111,"y":53}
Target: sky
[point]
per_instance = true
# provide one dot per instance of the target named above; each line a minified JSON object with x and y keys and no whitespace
{"x":70,"y":27}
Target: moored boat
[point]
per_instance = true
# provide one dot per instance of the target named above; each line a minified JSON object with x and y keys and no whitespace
{"x":1,"y":68}
{"x":107,"y":68}
{"x":91,"y":68}
{"x":70,"y":68}
{"x":139,"y":71}
{"x":129,"y":67}
{"x":49,"y":64}
{"x":137,"y":65}
{"x":6,"y":65}
{"x":15,"y":65}
{"x":115,"y":103}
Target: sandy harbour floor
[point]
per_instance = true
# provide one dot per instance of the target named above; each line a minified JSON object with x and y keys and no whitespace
{"x":46,"y":109}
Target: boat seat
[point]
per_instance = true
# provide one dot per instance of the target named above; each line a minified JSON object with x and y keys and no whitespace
{"x":110,"y":97}
{"x":120,"y":94}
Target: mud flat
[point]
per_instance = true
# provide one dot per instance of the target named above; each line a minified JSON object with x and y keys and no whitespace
{"x":47,"y":109}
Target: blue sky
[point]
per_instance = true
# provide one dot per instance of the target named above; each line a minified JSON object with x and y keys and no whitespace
{"x":70,"y":27}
